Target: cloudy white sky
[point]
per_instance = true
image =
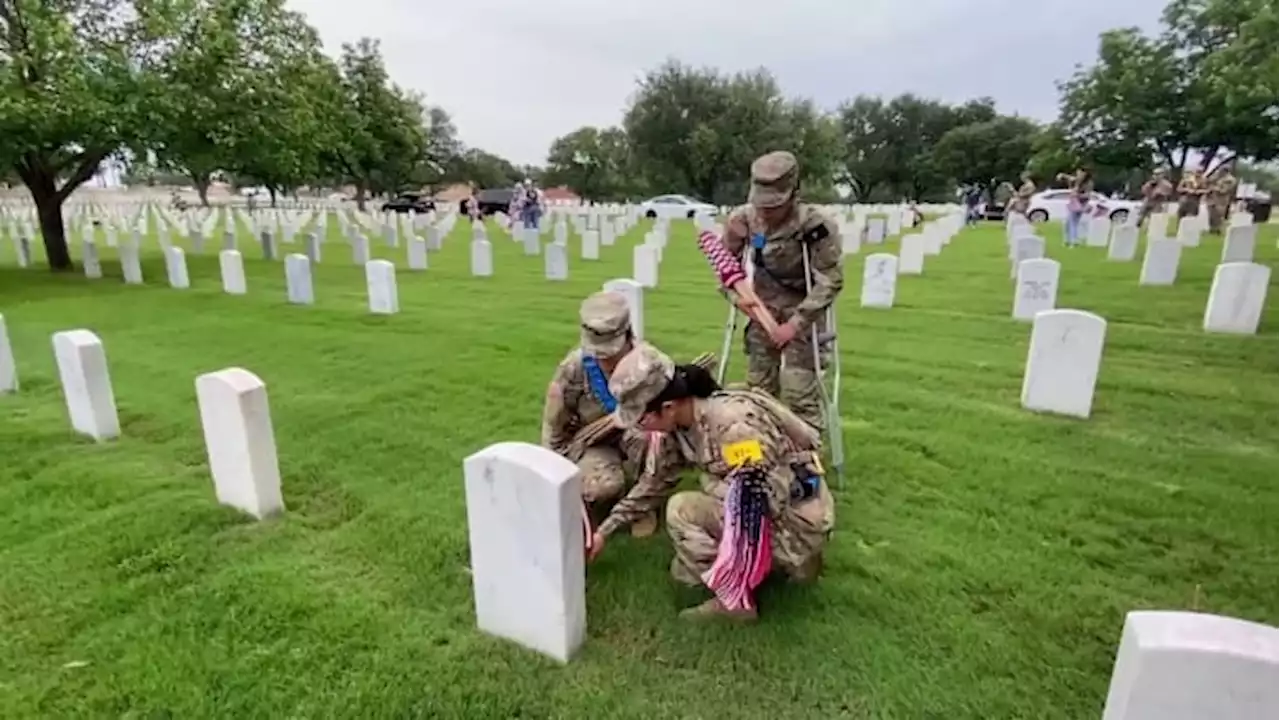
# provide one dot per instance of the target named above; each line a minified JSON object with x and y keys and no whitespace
{"x":516,"y":74}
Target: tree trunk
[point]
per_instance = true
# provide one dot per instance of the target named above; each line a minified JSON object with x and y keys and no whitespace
{"x":271,"y":190}
{"x":49,"y":208}
{"x":202,"y":188}
{"x":360,"y":196}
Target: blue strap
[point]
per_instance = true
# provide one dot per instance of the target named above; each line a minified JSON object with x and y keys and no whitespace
{"x":599,"y":385}
{"x":757,"y":241}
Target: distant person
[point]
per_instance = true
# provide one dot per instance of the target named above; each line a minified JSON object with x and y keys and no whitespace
{"x":972,"y":198}
{"x":1080,"y":184}
{"x":1222,"y":195}
{"x":472,"y":205}
{"x":1191,"y":190}
{"x":1022,"y":198}
{"x":531,"y":204}
{"x":1155,"y":194}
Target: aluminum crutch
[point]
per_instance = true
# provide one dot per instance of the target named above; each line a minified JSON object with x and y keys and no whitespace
{"x":829,"y":397}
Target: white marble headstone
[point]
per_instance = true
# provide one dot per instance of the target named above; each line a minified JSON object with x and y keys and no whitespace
{"x":311,"y":248}
{"x":359,"y":250}
{"x":1036,"y":289}
{"x":556,"y":261}
{"x":1099,"y":231}
{"x":1238,"y":247}
{"x":851,"y":239}
{"x":1026,"y":247}
{"x":130,"y":263}
{"x":1189,"y":231}
{"x":1194,"y":666}
{"x":481,"y":258}
{"x":297,"y":275}
{"x":240,"y":441}
{"x":1063,"y":362}
{"x":86,"y":384}
{"x":8,"y":367}
{"x":875,"y":231}
{"x":175,"y":262}
{"x":529,"y":237}
{"x":524,"y":517}
{"x":644,"y":260}
{"x":232,"y":267}
{"x":879,"y":280}
{"x":380,"y":277}
{"x":634,"y":293}
{"x":1237,"y":297}
{"x":1124,"y":243}
{"x":92,"y":264}
{"x":911,"y":255}
{"x":417,"y":253}
{"x":1160,"y":264}
{"x":591,"y":245}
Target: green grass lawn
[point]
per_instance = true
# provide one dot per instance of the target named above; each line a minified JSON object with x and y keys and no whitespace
{"x":983,"y":562}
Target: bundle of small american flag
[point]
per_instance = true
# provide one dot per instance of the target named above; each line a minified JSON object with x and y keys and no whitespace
{"x":731,"y":275}
{"x":746,"y":550}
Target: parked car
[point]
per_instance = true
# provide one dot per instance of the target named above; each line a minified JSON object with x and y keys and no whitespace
{"x":675,"y":206}
{"x":404,"y":202}
{"x":1052,"y":205}
{"x":491,"y":201}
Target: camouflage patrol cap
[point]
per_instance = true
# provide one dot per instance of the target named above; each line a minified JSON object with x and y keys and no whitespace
{"x":773,"y":179}
{"x":639,"y":378}
{"x":605,"y":320}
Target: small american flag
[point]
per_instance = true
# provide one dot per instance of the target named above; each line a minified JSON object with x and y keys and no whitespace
{"x":745,"y":555}
{"x":726,"y":266}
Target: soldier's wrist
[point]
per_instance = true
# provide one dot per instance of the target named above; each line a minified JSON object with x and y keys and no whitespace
{"x":609,"y":526}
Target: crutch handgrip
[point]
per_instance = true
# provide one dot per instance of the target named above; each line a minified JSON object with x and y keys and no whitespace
{"x":731,"y":275}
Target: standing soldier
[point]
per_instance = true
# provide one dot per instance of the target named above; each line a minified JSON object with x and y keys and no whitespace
{"x":579,"y":395}
{"x":1022,"y":199}
{"x":1155,"y":194}
{"x":1222,"y":194}
{"x":782,"y":231}
{"x":1191,"y":188}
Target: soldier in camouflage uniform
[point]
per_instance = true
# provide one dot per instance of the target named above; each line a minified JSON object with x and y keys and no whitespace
{"x":1022,"y":199}
{"x":1191,"y":188}
{"x":720,"y":432}
{"x":780,"y":229}
{"x":1155,"y":194}
{"x":579,"y":395}
{"x":1222,"y":195}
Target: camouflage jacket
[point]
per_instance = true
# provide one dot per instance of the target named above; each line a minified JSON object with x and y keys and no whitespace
{"x":1156,"y":191}
{"x":1224,"y":188}
{"x":1191,"y":185}
{"x":730,"y":427}
{"x":779,"y":266}
{"x":570,"y":405}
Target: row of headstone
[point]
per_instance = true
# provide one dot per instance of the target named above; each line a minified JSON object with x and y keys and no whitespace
{"x":233,"y":411}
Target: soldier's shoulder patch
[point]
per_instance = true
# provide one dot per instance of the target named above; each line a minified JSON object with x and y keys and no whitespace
{"x":817,"y":226}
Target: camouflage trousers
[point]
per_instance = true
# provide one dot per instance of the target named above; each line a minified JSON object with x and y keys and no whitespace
{"x":1147,"y":209}
{"x":1217,"y":214}
{"x":695,"y":522}
{"x":787,"y":374}
{"x":607,"y":467}
{"x":1188,"y":207}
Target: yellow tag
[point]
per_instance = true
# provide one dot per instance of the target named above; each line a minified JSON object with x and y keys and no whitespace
{"x":741,"y":453}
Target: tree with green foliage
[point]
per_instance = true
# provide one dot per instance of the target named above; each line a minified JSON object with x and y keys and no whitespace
{"x":986,"y":153}
{"x":696,"y":131}
{"x":594,"y":163}
{"x":1206,"y":85}
{"x":81,"y":80}
{"x":382,"y":134}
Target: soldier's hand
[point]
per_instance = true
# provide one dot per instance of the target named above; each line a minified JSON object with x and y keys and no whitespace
{"x":744,"y":304}
{"x":736,"y":227}
{"x":595,"y":546}
{"x":785,"y":333}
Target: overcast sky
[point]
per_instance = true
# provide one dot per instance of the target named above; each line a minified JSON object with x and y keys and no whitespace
{"x":516,"y":74}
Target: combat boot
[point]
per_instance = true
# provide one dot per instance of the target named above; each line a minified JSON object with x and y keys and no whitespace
{"x":808,"y":571}
{"x":713,"y":609}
